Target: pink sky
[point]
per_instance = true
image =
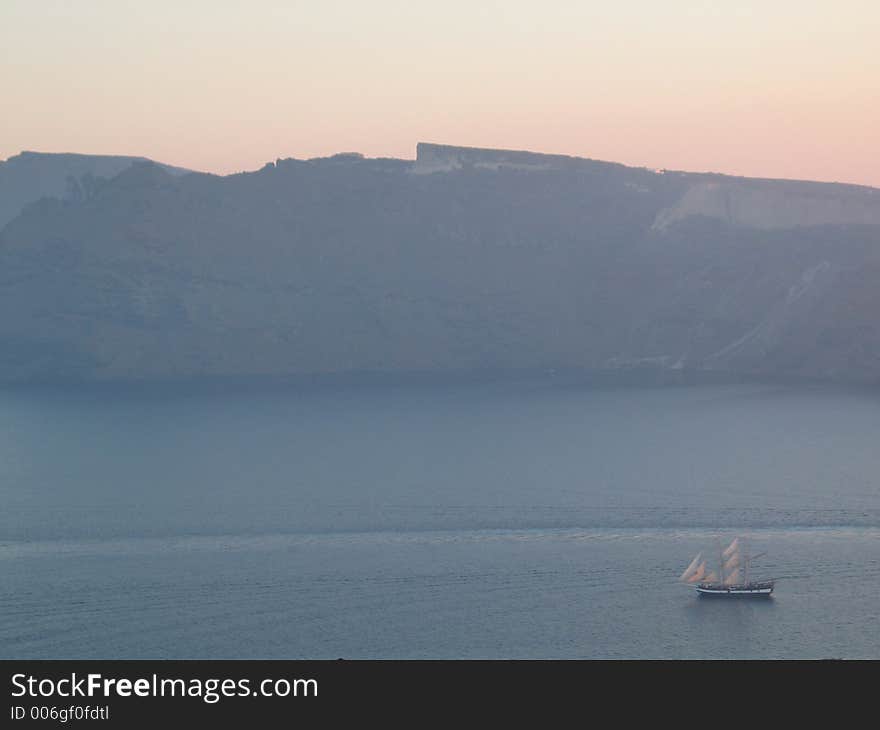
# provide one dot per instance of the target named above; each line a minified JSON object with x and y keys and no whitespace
{"x":773,"y":88}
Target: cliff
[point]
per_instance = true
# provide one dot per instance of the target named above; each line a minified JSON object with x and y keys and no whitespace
{"x":461,"y":260}
{"x":29,"y":176}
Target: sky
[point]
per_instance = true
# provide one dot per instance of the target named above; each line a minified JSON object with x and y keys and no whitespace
{"x":769,"y":88}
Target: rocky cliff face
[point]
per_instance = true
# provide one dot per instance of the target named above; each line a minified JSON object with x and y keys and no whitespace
{"x":775,"y":204}
{"x":446,"y":158}
{"x":29,"y":176}
{"x":462,"y":260}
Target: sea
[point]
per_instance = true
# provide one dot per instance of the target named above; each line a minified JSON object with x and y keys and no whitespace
{"x":519,"y":518}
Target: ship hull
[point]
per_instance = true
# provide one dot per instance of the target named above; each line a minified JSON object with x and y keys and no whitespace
{"x":750,"y":590}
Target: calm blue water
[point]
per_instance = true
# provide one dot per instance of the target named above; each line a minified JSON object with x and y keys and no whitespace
{"x":524,"y":519}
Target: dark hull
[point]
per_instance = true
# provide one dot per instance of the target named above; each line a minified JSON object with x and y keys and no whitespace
{"x":745,"y":590}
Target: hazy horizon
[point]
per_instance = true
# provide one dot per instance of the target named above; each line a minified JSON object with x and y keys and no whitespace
{"x":780,"y":91}
{"x":412,"y":157}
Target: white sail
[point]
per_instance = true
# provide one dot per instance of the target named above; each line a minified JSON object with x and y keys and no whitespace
{"x":698,"y":574}
{"x":731,"y":574}
{"x":689,"y":571}
{"x":732,"y":548}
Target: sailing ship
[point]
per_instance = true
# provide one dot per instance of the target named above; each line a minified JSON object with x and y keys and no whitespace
{"x":730,"y":577}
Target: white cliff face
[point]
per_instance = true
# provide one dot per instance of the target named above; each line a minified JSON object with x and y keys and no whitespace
{"x":431,"y":158}
{"x":801,"y":297}
{"x":776,"y":205}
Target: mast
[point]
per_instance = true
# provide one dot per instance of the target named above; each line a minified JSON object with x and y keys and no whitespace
{"x":730,"y":562}
{"x":752,"y":557}
{"x":746,"y":566}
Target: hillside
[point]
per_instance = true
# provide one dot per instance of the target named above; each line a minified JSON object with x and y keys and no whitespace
{"x":462,"y":260}
{"x":29,"y":176}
